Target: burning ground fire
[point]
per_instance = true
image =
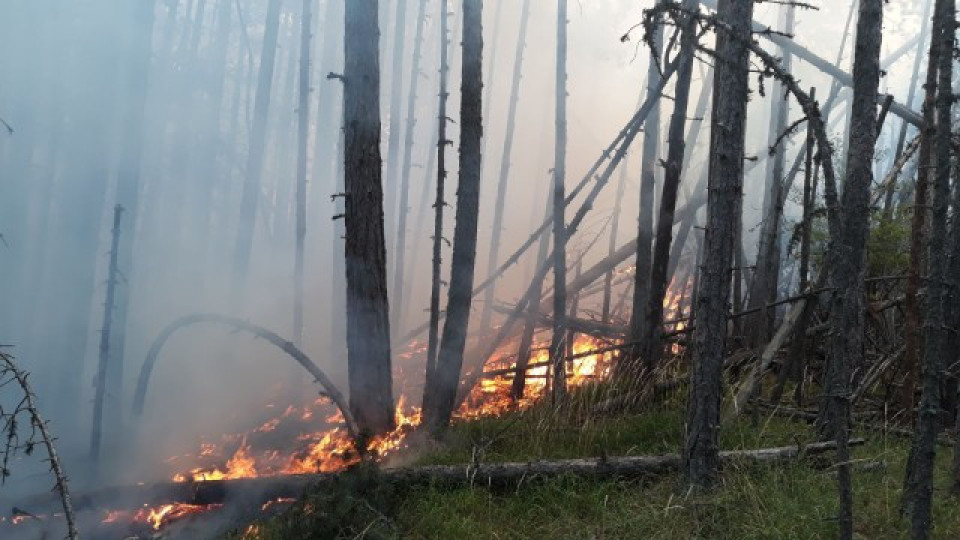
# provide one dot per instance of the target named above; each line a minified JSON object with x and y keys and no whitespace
{"x":312,"y":438}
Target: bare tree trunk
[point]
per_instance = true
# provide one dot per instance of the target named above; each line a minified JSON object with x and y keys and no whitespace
{"x":437,"y":411}
{"x":401,"y":246}
{"x":766,"y":276}
{"x":629,"y":364}
{"x":612,"y":246}
{"x":254,"y":168}
{"x":438,"y":205}
{"x":368,"y":321}
{"x":502,"y":183}
{"x":303,"y":124}
{"x":701,"y":451}
{"x":128,"y":182}
{"x":559,"y":227}
{"x":911,"y":304}
{"x":847,"y":254}
{"x":113,"y":275}
{"x":651,"y":345}
{"x":526,"y":339}
{"x":396,"y":112}
{"x":918,"y":489}
{"x":794,"y":366}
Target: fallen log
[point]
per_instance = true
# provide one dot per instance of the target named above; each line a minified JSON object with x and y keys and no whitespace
{"x":481,"y":474}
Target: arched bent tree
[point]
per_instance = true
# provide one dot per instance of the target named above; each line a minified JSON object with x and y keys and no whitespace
{"x":288,"y":347}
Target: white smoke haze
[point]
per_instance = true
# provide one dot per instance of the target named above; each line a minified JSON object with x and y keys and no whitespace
{"x":78,"y":89}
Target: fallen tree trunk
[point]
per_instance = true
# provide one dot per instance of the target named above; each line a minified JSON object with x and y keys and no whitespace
{"x":482,"y":474}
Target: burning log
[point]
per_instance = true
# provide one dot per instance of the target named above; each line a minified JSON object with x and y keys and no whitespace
{"x":286,"y":346}
{"x":488,"y":474}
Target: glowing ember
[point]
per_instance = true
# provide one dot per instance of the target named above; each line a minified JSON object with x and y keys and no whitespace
{"x":165,"y":514}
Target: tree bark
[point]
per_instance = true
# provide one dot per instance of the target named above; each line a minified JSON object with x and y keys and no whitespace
{"x":559,"y":227}
{"x":303,"y":125}
{"x":368,"y":322}
{"x":629,"y":365}
{"x":437,"y":411}
{"x":438,"y":206}
{"x":847,"y":253}
{"x":918,"y":489}
{"x":651,"y":346}
{"x":701,"y":459}
{"x":396,"y":115}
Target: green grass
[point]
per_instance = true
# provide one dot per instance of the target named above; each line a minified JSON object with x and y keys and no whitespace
{"x":790,"y":500}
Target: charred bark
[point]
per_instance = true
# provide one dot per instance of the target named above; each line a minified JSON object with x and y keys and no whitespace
{"x":559,"y":227}
{"x":438,"y":410}
{"x":368,"y":322}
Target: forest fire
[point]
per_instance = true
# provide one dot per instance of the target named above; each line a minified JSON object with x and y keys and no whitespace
{"x":160,"y":516}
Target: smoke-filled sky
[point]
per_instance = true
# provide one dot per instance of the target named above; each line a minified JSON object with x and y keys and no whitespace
{"x":105,"y":94}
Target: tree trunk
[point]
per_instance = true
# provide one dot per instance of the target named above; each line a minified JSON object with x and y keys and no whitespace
{"x":403,"y":210}
{"x":918,"y":489}
{"x":437,"y":411}
{"x":559,"y":227}
{"x":701,"y":452}
{"x":650,"y":342}
{"x":847,"y":254}
{"x":254,"y":167}
{"x":438,"y":206}
{"x":368,"y":322}
{"x":912,"y":317}
{"x":396,"y":114}
{"x":502,"y":183}
{"x":767,"y":273}
{"x":630,"y":362}
{"x":104,"y":363}
{"x":526,"y":339}
{"x":303,"y":125}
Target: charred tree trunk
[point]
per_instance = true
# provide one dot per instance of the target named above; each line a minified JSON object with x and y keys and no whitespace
{"x":526,"y":339}
{"x":701,"y":451}
{"x":113,"y":274}
{"x":918,"y":489}
{"x":303,"y":124}
{"x":502,"y":183}
{"x":437,"y":411}
{"x":912,"y":317}
{"x":629,"y":364}
{"x":612,"y":246}
{"x":438,"y":205}
{"x":403,"y":211}
{"x":559,"y":227}
{"x":368,"y":322}
{"x":847,"y":257}
{"x":651,"y":346}
{"x":254,"y":168}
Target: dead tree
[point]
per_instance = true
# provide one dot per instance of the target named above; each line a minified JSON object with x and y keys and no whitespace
{"x":559,"y":227}
{"x":368,"y":320}
{"x":918,"y":488}
{"x":254,"y":168}
{"x":651,"y":346}
{"x":912,"y":317}
{"x":847,"y":253}
{"x":156,"y":347}
{"x":433,"y":338}
{"x":39,"y":433}
{"x":766,"y":276}
{"x":731,"y":78}
{"x":303,"y":126}
{"x":439,"y":408}
{"x":396,"y":111}
{"x":612,"y":246}
{"x":628,"y":366}
{"x":503,"y":181}
{"x":103,"y":366}
{"x":400,"y":248}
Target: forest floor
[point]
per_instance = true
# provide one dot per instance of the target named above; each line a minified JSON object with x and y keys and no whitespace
{"x":796,"y":499}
